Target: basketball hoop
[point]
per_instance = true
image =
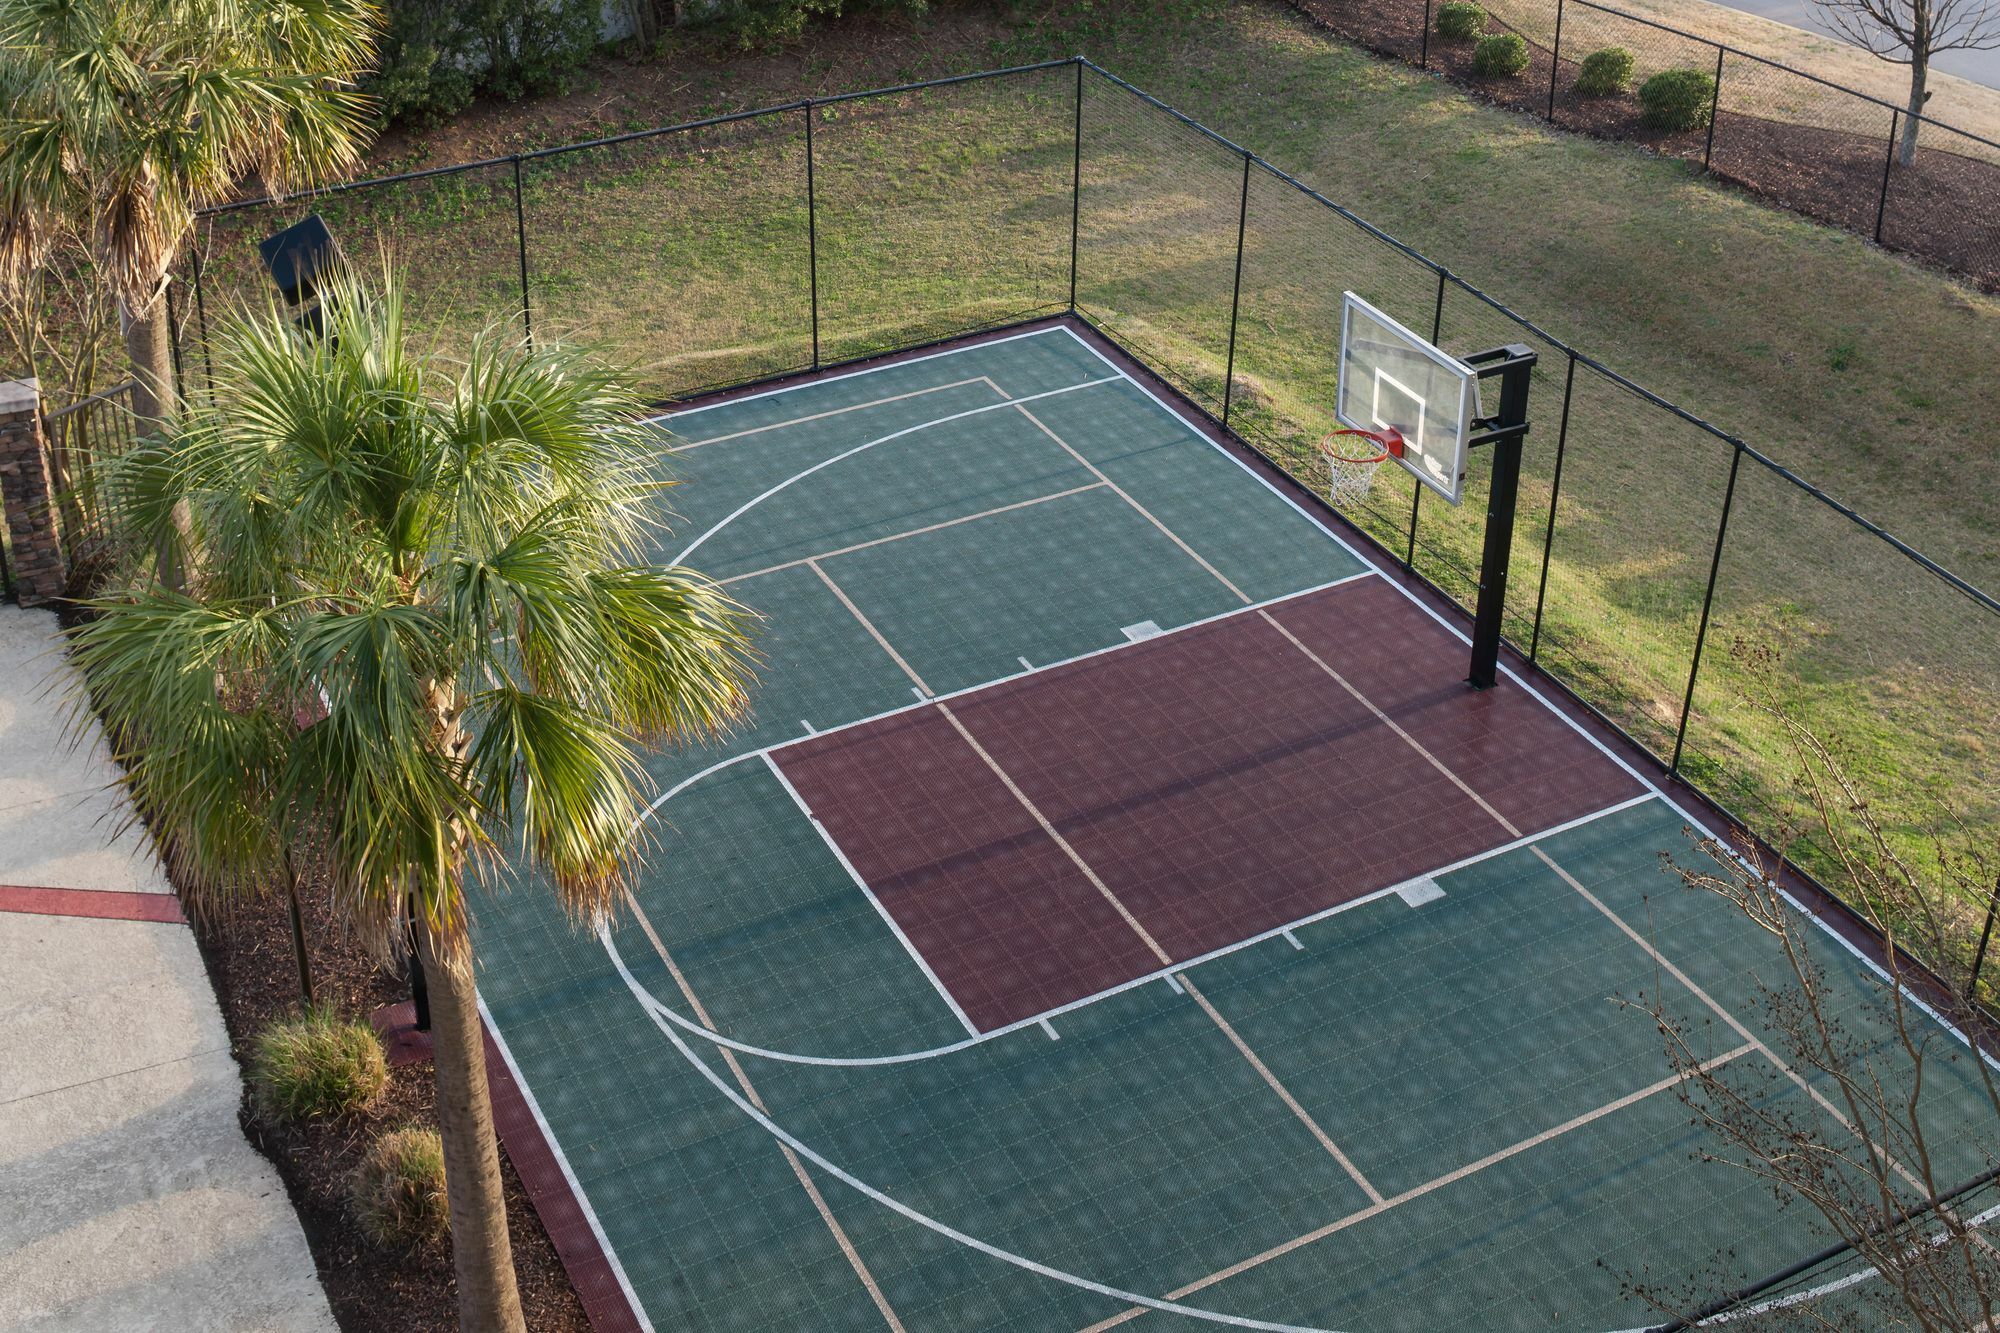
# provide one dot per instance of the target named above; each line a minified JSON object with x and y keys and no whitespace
{"x":1351,"y":457}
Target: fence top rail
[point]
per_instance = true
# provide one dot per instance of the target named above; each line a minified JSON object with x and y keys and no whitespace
{"x":1444,"y":274}
{"x":1781,"y":65}
{"x":119,"y":390}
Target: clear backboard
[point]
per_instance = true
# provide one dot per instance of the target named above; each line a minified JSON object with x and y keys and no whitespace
{"x":1392,"y":379}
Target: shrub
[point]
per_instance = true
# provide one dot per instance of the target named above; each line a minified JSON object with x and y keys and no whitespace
{"x":316,"y":1065}
{"x":1677,"y":99}
{"x":1461,"y":19}
{"x":1501,"y":56}
{"x":435,"y":56}
{"x":398,"y":1193}
{"x":1605,"y":73}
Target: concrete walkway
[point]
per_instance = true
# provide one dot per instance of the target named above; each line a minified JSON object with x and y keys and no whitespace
{"x":129,"y":1198}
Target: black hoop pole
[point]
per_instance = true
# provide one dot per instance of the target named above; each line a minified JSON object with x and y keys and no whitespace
{"x":1076,"y":186}
{"x":420,"y":990}
{"x":812,"y":229}
{"x":1424,"y":52}
{"x":1236,"y":291}
{"x":1514,"y":364}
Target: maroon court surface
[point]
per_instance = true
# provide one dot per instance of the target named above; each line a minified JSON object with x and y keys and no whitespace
{"x":1218,"y":782}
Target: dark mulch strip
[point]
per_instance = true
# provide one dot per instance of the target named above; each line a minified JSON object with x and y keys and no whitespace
{"x":250,"y":961}
{"x":1945,"y":208}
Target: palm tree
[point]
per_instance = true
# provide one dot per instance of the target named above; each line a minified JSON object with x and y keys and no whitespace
{"x":423,"y":640}
{"x":120,"y":118}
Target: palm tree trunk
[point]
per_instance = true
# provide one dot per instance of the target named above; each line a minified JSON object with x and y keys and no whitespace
{"x":152,"y":357}
{"x":151,"y":353}
{"x":488,"y":1299}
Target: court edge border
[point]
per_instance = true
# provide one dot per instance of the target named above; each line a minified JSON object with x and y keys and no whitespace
{"x":537,"y":1156}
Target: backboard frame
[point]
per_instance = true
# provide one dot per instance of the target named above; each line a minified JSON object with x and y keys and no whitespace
{"x":1419,"y":456}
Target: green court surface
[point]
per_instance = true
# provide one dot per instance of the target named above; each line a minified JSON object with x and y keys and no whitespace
{"x":1414,"y":1111}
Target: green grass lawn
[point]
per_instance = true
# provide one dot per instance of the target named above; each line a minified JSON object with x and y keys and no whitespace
{"x":1873,"y":377}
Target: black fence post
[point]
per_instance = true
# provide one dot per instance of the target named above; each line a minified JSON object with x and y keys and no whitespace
{"x":174,"y":340}
{"x":201,"y":320}
{"x":1236,"y":291}
{"x":521,"y":244}
{"x":1985,"y":938}
{"x":1555,"y":61}
{"x":1424,"y":51}
{"x":812,"y":229}
{"x":1888,"y":162}
{"x":1707,"y":605}
{"x":1555,"y":496}
{"x":1714,"y":105}
{"x":1076,"y":186}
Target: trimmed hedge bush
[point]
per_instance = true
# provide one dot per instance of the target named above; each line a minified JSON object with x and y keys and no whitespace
{"x":1677,"y":99}
{"x":317,"y":1065}
{"x":1502,"y":56}
{"x":398,"y":1192}
{"x":1605,"y":73}
{"x":1461,"y":19}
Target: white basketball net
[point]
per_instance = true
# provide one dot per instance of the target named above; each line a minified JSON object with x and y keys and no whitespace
{"x":1350,"y":462}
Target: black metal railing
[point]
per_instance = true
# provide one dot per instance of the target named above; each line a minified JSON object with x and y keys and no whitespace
{"x":1806,"y":142}
{"x":75,"y":436}
{"x":1663,"y":552}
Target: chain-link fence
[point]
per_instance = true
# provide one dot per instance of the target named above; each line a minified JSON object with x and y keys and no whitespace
{"x":1669,"y":575}
{"x":1830,"y":152}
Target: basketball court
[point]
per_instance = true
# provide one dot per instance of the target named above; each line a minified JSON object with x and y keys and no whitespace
{"x":1119,"y":910}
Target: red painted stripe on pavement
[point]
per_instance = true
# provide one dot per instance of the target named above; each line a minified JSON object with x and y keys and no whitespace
{"x":101,"y":904}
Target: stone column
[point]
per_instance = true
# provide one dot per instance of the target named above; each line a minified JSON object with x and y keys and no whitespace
{"x":37,"y":558}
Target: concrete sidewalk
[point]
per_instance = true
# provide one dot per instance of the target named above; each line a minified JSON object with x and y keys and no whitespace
{"x":129,"y":1198}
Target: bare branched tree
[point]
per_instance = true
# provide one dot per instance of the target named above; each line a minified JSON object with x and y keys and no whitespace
{"x":1851,"y":1126}
{"x":1911,"y":32}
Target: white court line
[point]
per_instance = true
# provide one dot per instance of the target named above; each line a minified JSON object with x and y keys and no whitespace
{"x":685,"y":445}
{"x":1686,"y":816}
{"x":869,"y":893}
{"x":806,"y":1182}
{"x":913,"y":532}
{"x":796,"y":477}
{"x":836,"y":377}
{"x":568,"y":1171}
{"x":1133,"y":1298}
{"x":1285,"y":931}
{"x":1428,"y":1187}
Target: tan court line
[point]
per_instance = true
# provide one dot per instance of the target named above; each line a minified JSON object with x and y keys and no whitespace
{"x":1319,"y":1134}
{"x":832,"y":412}
{"x":854,"y":1259}
{"x":1513,"y":831}
{"x":1659,"y":958}
{"x":913,"y":532}
{"x":1450,"y":1177}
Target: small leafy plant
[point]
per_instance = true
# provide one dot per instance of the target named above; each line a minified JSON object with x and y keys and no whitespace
{"x":1677,"y":99}
{"x":398,"y":1191}
{"x":1605,"y":73}
{"x":1461,"y":19}
{"x":317,"y":1065}
{"x":1501,"y":56}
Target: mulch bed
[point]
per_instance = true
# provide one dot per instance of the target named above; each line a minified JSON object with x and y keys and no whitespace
{"x":1945,"y":208}
{"x":250,"y":961}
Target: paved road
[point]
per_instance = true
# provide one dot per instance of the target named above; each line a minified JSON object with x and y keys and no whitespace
{"x":1979,"y":66}
{"x":129,"y":1198}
